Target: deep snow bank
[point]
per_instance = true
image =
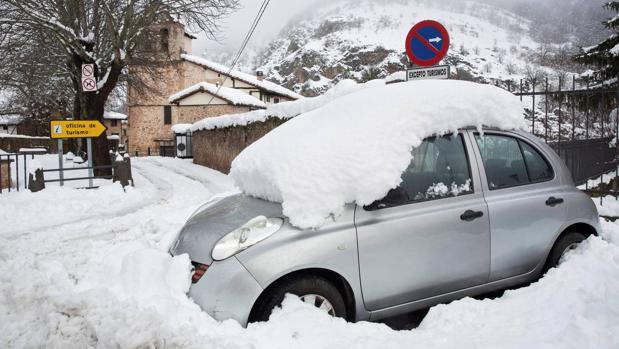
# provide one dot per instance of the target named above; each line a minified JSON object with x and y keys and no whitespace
{"x":108,"y":282}
{"x":355,"y":148}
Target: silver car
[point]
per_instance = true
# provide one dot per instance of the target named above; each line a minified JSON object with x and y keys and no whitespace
{"x":475,"y":212}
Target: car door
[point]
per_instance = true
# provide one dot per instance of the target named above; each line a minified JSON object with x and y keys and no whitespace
{"x":430,"y":235}
{"x":525,"y":201}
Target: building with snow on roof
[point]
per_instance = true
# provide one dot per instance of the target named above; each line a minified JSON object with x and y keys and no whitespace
{"x":9,"y":123}
{"x":184,"y":89}
{"x":116,"y":128}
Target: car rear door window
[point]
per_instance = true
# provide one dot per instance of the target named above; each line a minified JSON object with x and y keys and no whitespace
{"x":510,"y":162}
{"x":439,"y":169}
{"x":538,"y":167}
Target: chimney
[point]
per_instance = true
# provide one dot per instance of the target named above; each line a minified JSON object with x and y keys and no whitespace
{"x":260,"y":75}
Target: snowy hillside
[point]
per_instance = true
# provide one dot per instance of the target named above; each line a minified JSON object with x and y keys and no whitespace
{"x":364,"y":39}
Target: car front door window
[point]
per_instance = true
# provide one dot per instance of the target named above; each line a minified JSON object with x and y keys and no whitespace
{"x":439,"y":169}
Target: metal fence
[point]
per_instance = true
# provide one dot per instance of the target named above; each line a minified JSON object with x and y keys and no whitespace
{"x":587,"y":158}
{"x":579,"y":122}
{"x":11,"y":175}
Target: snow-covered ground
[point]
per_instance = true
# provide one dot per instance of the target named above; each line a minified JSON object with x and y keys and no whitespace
{"x":89,"y":269}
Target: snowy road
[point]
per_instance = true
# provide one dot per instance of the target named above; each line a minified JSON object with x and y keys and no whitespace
{"x":89,"y":269}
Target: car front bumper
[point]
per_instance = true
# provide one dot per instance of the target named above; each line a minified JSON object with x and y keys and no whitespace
{"x":226,"y":291}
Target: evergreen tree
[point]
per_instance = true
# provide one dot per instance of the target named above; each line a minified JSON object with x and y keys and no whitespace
{"x":605,"y":55}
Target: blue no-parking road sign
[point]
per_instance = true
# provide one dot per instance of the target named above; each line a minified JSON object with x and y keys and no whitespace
{"x":427,"y":43}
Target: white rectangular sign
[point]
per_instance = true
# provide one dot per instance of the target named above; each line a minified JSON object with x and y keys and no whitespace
{"x":436,"y":72}
{"x":89,"y":81}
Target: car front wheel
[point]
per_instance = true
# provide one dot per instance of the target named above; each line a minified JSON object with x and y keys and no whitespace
{"x":314,"y":290}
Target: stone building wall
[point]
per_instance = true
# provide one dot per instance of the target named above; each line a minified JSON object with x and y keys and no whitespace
{"x":217,"y":148}
{"x":145,"y":126}
{"x":189,"y":114}
{"x":11,"y":144}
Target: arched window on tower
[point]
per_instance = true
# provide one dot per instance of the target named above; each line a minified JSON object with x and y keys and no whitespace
{"x":164,"y":35}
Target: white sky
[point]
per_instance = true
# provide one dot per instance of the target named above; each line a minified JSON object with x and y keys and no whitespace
{"x":234,"y":28}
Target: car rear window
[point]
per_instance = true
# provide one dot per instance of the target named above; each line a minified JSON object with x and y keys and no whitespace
{"x":510,"y":162}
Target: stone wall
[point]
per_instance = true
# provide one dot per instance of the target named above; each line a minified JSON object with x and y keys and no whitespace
{"x":146,"y":123}
{"x":11,"y":144}
{"x":217,"y":148}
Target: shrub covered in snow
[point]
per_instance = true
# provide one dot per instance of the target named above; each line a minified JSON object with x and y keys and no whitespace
{"x":355,"y":148}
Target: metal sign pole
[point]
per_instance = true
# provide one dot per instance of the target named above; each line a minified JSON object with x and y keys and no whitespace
{"x":89,"y":149}
{"x":60,"y":165}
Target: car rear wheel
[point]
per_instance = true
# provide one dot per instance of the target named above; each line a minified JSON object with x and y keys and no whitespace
{"x":565,"y":244}
{"x":314,"y":290}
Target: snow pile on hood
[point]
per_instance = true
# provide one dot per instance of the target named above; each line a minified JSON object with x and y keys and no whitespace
{"x":286,"y":110}
{"x":355,"y":148}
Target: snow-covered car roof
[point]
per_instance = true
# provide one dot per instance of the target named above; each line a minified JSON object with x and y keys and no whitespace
{"x":234,"y":96}
{"x":355,"y":148}
{"x":285,"y":110}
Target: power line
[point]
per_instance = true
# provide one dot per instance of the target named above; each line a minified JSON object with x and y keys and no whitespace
{"x":248,"y":36}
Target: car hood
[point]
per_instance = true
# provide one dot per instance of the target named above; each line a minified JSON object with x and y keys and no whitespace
{"x":217,"y":218}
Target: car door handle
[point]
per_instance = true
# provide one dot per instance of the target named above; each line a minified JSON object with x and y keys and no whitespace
{"x":470,"y":215}
{"x":553,"y":201}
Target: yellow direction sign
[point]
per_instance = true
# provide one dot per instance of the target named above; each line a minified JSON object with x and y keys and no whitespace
{"x":76,"y":128}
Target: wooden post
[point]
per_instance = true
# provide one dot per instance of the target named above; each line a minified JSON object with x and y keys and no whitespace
{"x":38,"y":182}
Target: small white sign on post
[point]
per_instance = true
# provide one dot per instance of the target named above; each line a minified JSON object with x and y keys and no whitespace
{"x":435,"y":72}
{"x":89,"y":82}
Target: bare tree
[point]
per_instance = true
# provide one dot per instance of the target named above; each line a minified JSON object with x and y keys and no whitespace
{"x":533,"y":75}
{"x":35,"y":85}
{"x":106,"y":33}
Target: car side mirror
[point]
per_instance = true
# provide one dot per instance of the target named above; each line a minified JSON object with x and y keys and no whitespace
{"x":394,"y":197}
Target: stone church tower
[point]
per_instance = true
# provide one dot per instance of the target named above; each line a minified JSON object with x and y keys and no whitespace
{"x":148,"y":107}
{"x":182,"y":89}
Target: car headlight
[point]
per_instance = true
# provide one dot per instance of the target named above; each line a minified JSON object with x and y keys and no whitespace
{"x":251,"y":233}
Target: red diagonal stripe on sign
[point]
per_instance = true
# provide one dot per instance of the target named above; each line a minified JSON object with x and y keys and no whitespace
{"x":426,"y":43}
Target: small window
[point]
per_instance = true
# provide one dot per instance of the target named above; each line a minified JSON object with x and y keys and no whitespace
{"x":439,"y":169}
{"x":276,"y":100}
{"x":114,"y":123}
{"x":505,"y":164}
{"x":167,"y":115}
{"x":538,"y":167}
{"x":164,"y":37}
{"x":268,"y":99}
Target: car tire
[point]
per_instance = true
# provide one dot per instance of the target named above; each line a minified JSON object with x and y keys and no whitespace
{"x":303,"y":286}
{"x":566,"y":242}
